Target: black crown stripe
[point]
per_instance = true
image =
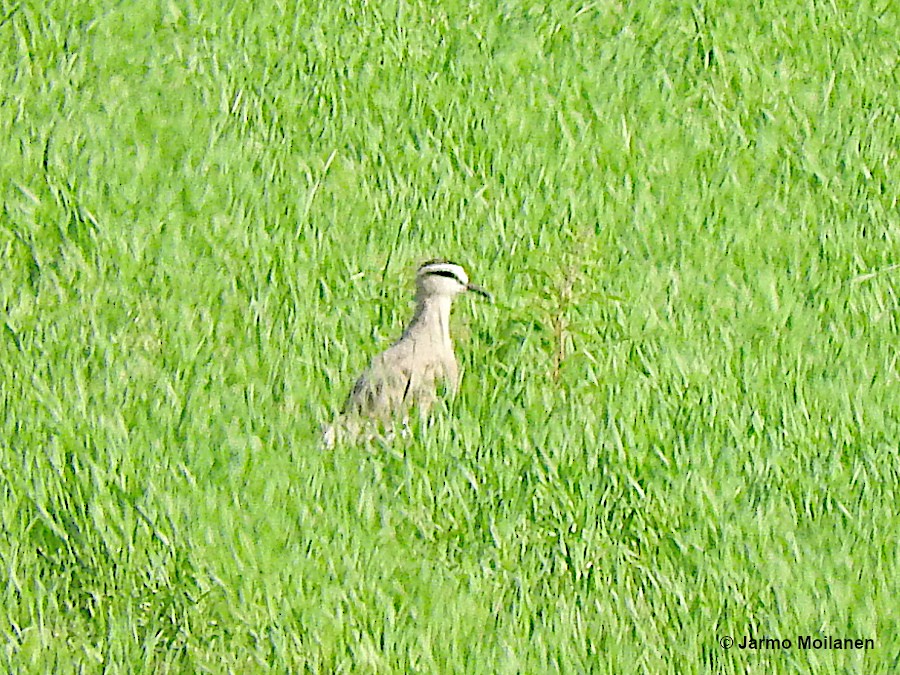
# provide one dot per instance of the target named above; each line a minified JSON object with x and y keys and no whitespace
{"x":444,"y":273}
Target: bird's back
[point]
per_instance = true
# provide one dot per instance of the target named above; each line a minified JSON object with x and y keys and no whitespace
{"x":404,"y":375}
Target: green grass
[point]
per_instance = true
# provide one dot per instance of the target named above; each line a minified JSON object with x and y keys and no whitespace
{"x":680,"y":421}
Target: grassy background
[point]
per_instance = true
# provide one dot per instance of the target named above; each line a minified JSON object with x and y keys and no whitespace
{"x":680,"y":421}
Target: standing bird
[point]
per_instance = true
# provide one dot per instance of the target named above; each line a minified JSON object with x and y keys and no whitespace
{"x":407,"y":373}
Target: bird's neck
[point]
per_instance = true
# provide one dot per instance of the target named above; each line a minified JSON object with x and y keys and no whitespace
{"x":431,"y":319}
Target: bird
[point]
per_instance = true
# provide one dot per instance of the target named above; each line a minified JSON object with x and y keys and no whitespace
{"x":407,"y":374}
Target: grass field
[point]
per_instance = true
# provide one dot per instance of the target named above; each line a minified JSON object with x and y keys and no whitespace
{"x":679,"y":422}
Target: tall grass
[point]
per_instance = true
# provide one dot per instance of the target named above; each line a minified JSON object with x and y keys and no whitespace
{"x":680,"y":421}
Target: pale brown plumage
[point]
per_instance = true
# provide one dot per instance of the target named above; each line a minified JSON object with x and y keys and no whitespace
{"x":407,"y":374}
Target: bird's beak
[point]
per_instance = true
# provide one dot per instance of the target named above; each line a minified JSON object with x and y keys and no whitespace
{"x":478,"y":289}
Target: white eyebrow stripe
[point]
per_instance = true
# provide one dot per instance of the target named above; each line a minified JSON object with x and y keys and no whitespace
{"x":445,"y":273}
{"x":449,"y":270}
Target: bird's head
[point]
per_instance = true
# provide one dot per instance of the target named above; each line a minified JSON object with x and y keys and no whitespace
{"x":442,"y":277}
